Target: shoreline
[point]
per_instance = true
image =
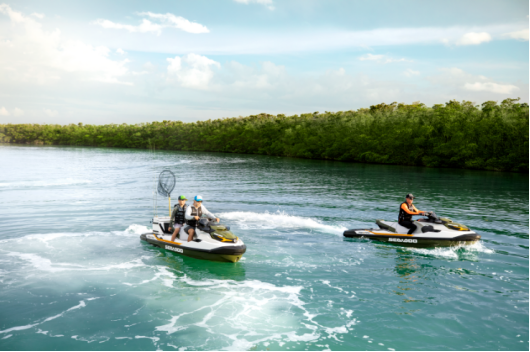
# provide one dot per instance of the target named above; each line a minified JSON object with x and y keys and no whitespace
{"x":458,"y":135}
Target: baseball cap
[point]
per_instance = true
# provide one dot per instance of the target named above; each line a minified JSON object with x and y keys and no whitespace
{"x":198,"y":198}
{"x":183,"y":198}
{"x":410,"y":196}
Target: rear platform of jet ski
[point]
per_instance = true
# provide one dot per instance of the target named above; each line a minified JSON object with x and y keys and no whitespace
{"x":212,"y":241}
{"x":431,"y":232}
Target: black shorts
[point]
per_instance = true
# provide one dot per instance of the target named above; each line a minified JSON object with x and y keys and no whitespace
{"x":188,"y":227}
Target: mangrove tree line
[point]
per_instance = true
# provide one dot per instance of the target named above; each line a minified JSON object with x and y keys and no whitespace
{"x":489,"y":136}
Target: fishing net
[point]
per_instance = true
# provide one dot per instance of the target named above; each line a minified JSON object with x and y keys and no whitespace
{"x":166,"y":183}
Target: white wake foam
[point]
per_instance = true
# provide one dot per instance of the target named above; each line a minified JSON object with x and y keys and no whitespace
{"x":163,"y":274}
{"x":38,"y":262}
{"x":440,"y":252}
{"x":45,"y":264}
{"x":133,"y":229}
{"x":253,"y":309}
{"x":453,"y":252}
{"x":478,"y":247}
{"x":29,"y":326}
{"x":280,"y":219}
{"x":254,"y":285}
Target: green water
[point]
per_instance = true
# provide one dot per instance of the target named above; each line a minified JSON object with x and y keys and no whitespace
{"x":75,"y":276}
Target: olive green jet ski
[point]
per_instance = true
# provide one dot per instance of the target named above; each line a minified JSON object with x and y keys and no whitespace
{"x":211,"y":241}
{"x":431,"y":231}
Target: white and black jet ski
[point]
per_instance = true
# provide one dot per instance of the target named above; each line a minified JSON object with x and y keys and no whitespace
{"x":212,"y":241}
{"x":431,"y":231}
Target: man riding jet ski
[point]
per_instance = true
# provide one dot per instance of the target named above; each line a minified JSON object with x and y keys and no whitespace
{"x":201,"y":238}
{"x":194,"y":213}
{"x":406,"y":211}
{"x":431,"y":231}
{"x":177,"y":216}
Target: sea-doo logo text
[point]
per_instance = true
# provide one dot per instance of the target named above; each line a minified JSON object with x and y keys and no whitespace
{"x":404,"y":240}
{"x":363,"y":232}
{"x":174,"y":249}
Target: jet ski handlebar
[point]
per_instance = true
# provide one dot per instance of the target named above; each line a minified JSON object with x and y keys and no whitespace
{"x":205,"y":223}
{"x":431,"y":216}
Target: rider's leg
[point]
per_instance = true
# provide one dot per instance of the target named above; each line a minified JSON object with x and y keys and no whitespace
{"x":409,"y":225}
{"x":177,"y":229}
{"x":191,"y":231}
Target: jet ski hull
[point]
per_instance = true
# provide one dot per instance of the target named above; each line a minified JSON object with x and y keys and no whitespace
{"x":413,"y":240}
{"x":230,"y":254}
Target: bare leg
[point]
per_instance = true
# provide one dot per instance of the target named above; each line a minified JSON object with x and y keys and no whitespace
{"x":190,"y":234}
{"x":177,"y":229}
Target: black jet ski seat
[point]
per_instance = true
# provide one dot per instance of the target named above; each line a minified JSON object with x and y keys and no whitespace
{"x":382,"y":225}
{"x":428,"y":228}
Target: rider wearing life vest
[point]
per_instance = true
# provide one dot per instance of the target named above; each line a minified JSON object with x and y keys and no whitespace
{"x":178,"y":217}
{"x":194,"y":214}
{"x":406,"y":211}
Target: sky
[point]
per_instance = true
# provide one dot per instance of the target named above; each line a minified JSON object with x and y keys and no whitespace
{"x":101,"y":62}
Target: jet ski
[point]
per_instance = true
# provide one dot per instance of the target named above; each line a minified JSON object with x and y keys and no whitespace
{"x":211,"y":241}
{"x":431,"y":231}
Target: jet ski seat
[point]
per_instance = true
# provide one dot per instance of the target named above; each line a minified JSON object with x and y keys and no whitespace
{"x":382,"y":225}
{"x":428,"y":228}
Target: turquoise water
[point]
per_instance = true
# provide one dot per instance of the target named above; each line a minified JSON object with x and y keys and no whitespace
{"x":75,"y":276}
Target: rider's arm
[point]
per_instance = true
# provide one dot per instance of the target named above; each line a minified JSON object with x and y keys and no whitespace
{"x":172,"y":219}
{"x":406,"y":210}
{"x":188,"y":214}
{"x":417,"y":211}
{"x":207,"y":213}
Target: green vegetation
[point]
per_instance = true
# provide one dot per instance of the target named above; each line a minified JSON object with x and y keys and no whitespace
{"x":457,"y":134}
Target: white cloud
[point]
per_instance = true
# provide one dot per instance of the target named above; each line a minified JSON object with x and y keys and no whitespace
{"x":267,"y":3}
{"x":34,"y":55}
{"x":16,"y":112}
{"x":50,"y":112}
{"x":167,"y":20}
{"x":473,"y":38}
{"x":170,"y":20}
{"x":371,"y":57}
{"x":491,"y":87}
{"x":461,"y":81}
{"x":270,"y":86}
{"x":149,"y":66}
{"x":192,"y":70}
{"x":522,"y":34}
{"x":410,"y":72}
{"x":120,"y":51}
{"x":381,"y":59}
{"x":38,"y":15}
{"x":145,"y":27}
{"x":268,"y":76}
